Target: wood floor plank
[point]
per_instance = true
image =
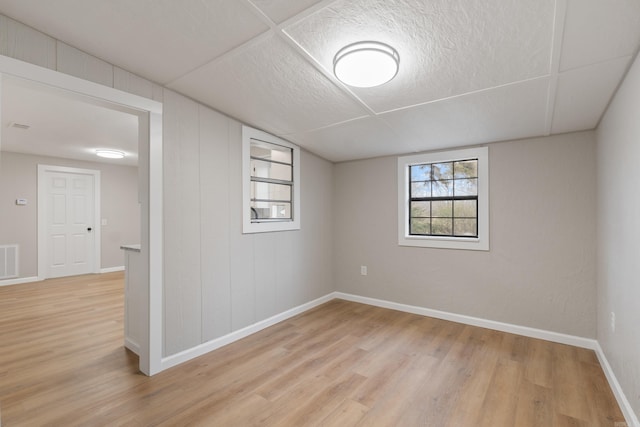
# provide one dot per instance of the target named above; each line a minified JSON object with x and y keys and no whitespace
{"x":62,"y":362}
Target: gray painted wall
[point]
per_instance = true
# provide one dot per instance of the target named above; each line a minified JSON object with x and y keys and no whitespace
{"x":540,"y":271}
{"x":619,"y":235}
{"x":216,"y":279}
{"x":119,"y":205}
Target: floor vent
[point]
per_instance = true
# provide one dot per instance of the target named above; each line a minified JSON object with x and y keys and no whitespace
{"x":8,"y":261}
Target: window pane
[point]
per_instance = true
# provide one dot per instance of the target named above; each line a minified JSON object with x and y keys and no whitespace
{"x":270,"y":210}
{"x":442,"y":170}
{"x":266,"y":191}
{"x":421,"y":173}
{"x":441,"y":208}
{"x":465,"y":208}
{"x":465,"y":227}
{"x":267,"y":151}
{"x":420,"y":226}
{"x":466,"y":187}
{"x":262,"y":169}
{"x":421,"y":189}
{"x":466,"y":169}
{"x":420,"y":209}
{"x":441,"y":226}
{"x":442,"y":188}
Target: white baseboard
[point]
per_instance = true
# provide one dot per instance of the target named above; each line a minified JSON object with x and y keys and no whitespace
{"x":476,"y":321}
{"x":134,"y":347}
{"x":176,"y":359}
{"x":623,"y":402}
{"x":19,"y":281}
{"x":589,"y":343}
{"x":111,"y":269}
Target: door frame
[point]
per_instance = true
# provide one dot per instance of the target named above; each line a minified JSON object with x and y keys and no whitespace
{"x":43,"y":253}
{"x":149,"y":114}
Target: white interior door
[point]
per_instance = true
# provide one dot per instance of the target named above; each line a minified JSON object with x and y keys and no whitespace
{"x":68,"y":215}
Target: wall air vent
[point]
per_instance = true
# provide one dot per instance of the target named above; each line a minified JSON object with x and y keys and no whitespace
{"x":8,"y":261}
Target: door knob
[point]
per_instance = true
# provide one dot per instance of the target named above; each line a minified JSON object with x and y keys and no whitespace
{"x":88,"y":228}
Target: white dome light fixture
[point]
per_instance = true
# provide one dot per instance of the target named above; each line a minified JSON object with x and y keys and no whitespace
{"x":366,"y":64}
{"x":110,"y":154}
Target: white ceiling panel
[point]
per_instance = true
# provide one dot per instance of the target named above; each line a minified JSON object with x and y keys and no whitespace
{"x":157,"y":39}
{"x":369,"y":136}
{"x":281,"y":10}
{"x":584,"y":93}
{"x":446,"y":47}
{"x":470,"y":71}
{"x":62,"y":125}
{"x":270,"y":86}
{"x":508,"y":112}
{"x":598,"y":30}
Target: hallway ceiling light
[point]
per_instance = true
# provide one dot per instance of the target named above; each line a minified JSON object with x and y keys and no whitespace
{"x":110,"y":154}
{"x":366,"y":64}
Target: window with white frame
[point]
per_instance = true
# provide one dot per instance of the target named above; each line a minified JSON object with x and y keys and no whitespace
{"x":443,"y":199}
{"x":271,"y":182}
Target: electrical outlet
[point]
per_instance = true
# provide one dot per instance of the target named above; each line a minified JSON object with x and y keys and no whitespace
{"x":363,"y":270}
{"x":613,"y":321}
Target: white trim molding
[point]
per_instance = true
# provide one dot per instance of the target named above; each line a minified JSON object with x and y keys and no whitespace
{"x":248,"y":225}
{"x":19,"y":281}
{"x":183,"y":356}
{"x":149,"y":113}
{"x":480,"y":243}
{"x":623,"y":402}
{"x":112,"y":269}
{"x":476,"y":321}
{"x":582,"y":342}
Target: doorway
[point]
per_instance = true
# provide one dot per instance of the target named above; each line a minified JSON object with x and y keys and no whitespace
{"x":68,"y":221}
{"x":149,"y":116}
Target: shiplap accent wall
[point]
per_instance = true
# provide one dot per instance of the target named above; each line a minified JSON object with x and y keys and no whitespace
{"x":217,"y":280}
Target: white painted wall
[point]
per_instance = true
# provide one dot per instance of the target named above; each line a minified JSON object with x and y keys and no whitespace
{"x":619,"y":235}
{"x":217,"y":280}
{"x":540,"y":270}
{"x":119,"y":205}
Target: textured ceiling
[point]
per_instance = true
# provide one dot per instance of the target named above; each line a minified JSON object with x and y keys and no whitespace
{"x":470,"y":72}
{"x":64,"y":125}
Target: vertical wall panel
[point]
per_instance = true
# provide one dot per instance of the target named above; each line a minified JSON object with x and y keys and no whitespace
{"x":214,"y":219}
{"x":183,"y":292}
{"x":77,"y":63}
{"x":266,"y":278}
{"x":132,"y":83}
{"x":241,"y":255}
{"x":26,"y":44}
{"x":129,"y":82}
{"x":216,"y":280}
{"x":313,"y":243}
{"x":285,"y":258}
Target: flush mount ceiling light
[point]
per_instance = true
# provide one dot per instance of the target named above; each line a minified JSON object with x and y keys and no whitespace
{"x":110,"y":154}
{"x":366,"y":64}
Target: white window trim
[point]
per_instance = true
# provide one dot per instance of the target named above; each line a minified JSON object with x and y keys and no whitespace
{"x":249,"y":133}
{"x":481,"y":243}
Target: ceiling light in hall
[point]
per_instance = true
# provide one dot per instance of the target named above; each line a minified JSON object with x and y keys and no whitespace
{"x":366,"y":64}
{"x":110,"y":154}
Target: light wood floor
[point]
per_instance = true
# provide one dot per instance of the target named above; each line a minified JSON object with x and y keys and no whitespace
{"x":62,"y":364}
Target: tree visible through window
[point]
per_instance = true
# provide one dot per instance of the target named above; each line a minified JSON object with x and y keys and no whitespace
{"x":443,"y":199}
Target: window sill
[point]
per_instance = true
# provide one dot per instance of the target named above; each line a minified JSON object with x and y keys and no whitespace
{"x":472,"y":244}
